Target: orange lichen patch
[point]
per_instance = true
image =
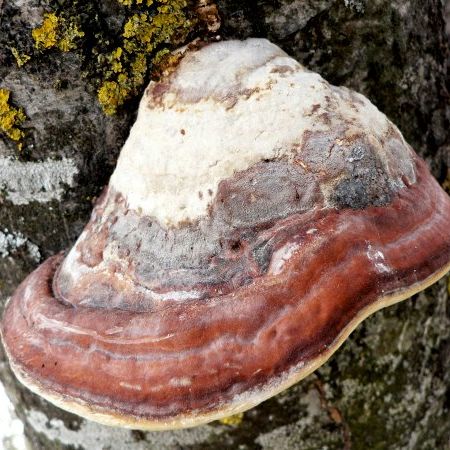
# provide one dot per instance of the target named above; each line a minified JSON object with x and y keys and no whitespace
{"x":11,"y":118}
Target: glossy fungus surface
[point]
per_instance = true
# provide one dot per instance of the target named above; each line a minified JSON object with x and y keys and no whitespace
{"x":257,"y":214}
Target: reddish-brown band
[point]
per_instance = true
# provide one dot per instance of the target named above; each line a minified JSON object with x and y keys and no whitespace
{"x":197,"y":356}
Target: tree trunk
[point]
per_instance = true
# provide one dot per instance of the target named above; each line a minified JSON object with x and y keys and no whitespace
{"x":388,"y":387}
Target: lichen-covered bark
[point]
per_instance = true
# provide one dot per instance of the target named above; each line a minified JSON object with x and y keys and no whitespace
{"x":388,"y":387}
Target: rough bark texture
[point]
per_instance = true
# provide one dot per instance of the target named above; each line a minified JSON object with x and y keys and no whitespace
{"x":389,"y":385}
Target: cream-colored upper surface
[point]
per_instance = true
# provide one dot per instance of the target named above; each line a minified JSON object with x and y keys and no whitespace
{"x":226,"y":107}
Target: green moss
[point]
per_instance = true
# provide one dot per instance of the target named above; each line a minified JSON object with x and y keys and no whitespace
{"x":11,"y":118}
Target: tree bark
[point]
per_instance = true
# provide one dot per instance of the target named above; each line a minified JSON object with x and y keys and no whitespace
{"x":388,"y":387}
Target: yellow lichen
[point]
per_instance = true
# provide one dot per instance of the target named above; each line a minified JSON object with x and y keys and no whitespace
{"x":69,"y":35}
{"x":111,"y":95}
{"x":138,"y":2}
{"x":233,"y":420}
{"x":11,"y":118}
{"x":46,"y":35}
{"x":20,"y":59}
{"x":138,"y":69}
{"x":56,"y":32}
{"x":138,"y":32}
{"x":125,"y":61}
{"x":143,"y":35}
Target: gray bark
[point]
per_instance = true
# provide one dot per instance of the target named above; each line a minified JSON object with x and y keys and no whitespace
{"x":388,"y":387}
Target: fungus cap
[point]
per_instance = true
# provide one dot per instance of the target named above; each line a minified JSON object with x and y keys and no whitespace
{"x":256,"y":216}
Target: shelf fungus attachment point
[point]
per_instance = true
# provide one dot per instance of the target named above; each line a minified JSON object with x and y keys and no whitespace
{"x":256,"y":216}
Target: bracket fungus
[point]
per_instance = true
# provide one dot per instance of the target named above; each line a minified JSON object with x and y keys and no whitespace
{"x":256,"y":216}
